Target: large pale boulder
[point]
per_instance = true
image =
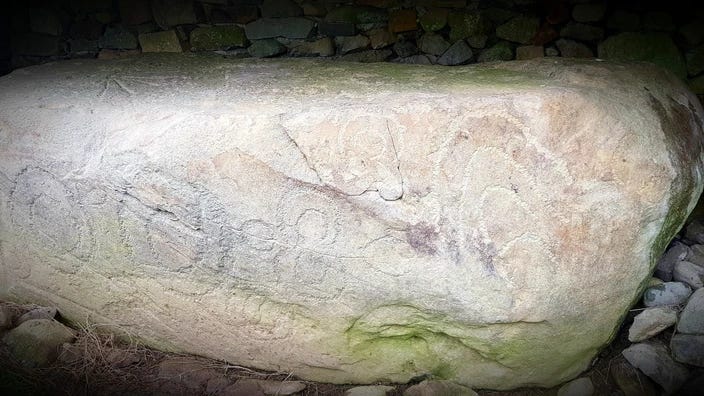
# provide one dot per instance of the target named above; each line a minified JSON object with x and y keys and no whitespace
{"x":488,"y":225}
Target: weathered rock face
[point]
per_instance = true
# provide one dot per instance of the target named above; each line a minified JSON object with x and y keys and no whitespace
{"x":348,"y":223}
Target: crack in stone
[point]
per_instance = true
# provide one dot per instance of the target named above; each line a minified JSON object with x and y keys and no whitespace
{"x":303,"y":154}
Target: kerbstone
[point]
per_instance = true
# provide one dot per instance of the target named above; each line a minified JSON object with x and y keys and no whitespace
{"x":492,"y":224}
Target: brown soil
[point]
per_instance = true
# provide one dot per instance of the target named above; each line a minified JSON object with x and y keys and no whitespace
{"x":100,"y":364}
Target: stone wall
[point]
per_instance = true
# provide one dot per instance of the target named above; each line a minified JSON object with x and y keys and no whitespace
{"x":446,"y":32}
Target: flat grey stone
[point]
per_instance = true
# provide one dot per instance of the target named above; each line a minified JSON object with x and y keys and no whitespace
{"x":689,"y":273}
{"x":688,"y":348}
{"x":653,"y":359}
{"x":578,"y":387}
{"x":650,"y":322}
{"x":37,"y":342}
{"x":692,"y":317}
{"x":666,"y":263}
{"x":668,"y":293}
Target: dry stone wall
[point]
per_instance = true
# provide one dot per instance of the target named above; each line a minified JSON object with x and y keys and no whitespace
{"x":445,"y":32}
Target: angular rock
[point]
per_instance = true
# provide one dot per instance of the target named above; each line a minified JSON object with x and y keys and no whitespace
{"x":405,"y":48}
{"x":37,"y":342}
{"x":438,"y":388}
{"x":293,"y":28}
{"x":335,"y":237}
{"x":668,"y":293}
{"x":380,"y":38}
{"x":320,"y":47}
{"x":624,"y":21}
{"x":465,"y":24}
{"x":573,"y":49}
{"x":688,"y":349}
{"x":520,"y":29}
{"x":653,"y":359}
{"x":166,"y":41}
{"x":593,"y":12}
{"x":457,"y":54}
{"x":433,"y":43}
{"x":691,"y":274}
{"x":650,"y":322}
{"x":369,"y":390}
{"x":118,"y":37}
{"x":656,"y":48}
{"x":631,"y":381}
{"x":266,"y":48}
{"x":579,"y":387}
{"x":500,"y":51}
{"x":692,"y":317}
{"x":666,"y":263}
{"x":217,"y":38}
{"x":526,"y":52}
{"x":351,"y":43}
{"x":278,"y":388}
{"x":552,"y":51}
{"x":169,"y":13}
{"x":37,"y":313}
{"x":280,"y":8}
{"x":582,"y":32}
{"x":434,"y":19}
{"x":403,"y":20}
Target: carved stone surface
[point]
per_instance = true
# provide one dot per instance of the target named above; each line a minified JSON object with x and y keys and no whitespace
{"x":488,"y":225}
